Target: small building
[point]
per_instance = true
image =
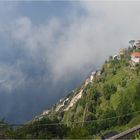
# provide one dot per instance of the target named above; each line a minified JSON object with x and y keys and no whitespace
{"x":135,"y":57}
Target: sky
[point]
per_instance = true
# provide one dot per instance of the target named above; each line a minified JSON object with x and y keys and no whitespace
{"x":47,"y":49}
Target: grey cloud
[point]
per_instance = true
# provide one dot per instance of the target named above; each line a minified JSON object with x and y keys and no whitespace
{"x":65,"y":49}
{"x":12,"y":78}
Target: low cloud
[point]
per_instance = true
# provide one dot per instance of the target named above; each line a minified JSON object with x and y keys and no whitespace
{"x":11,"y":78}
{"x":65,"y":49}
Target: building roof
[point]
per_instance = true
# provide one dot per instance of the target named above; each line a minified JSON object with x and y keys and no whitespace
{"x":136,"y":54}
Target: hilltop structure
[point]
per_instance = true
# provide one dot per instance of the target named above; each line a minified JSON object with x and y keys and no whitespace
{"x":135,"y":57}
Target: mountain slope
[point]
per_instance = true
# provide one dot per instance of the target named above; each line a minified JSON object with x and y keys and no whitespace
{"x":112,"y":91}
{"x":65,"y":104}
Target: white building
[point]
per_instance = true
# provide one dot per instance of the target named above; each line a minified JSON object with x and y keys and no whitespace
{"x":135,"y":57}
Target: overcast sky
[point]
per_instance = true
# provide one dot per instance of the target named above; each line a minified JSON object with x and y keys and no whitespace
{"x":48,"y":48}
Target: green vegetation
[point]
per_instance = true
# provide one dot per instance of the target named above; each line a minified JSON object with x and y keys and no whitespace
{"x":137,"y":137}
{"x":5,"y":130}
{"x":43,"y":129}
{"x":110,"y":102}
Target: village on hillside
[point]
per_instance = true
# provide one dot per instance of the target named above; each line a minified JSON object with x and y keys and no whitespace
{"x":134,"y":45}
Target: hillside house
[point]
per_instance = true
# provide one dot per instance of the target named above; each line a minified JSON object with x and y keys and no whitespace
{"x":135,"y":57}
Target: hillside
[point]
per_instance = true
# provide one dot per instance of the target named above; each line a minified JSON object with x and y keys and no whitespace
{"x":109,"y":99}
{"x":113,"y":91}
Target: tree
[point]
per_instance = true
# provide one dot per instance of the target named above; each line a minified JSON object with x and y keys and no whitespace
{"x":124,"y":111}
{"x":138,"y":69}
{"x":78,"y":133}
{"x":6,"y":130}
{"x":105,"y":121}
{"x":42,"y":129}
{"x":108,"y":90}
